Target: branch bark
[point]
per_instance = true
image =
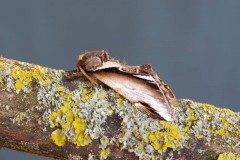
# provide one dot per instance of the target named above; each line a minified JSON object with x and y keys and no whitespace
{"x":44,"y":112}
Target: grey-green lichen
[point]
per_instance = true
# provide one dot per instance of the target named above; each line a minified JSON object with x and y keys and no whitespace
{"x":5,"y":107}
{"x":210,"y":123}
{"x":21,"y":118}
{"x":77,"y":116}
{"x":75,"y":157}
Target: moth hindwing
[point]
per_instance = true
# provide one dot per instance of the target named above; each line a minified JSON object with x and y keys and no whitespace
{"x":138,"y":84}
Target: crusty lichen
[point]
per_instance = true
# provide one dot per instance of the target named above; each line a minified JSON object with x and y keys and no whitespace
{"x":229,"y":156}
{"x":168,"y":138}
{"x":5,"y":107}
{"x":104,"y":153}
{"x":77,"y":116}
{"x":210,"y":123}
{"x":58,"y":137}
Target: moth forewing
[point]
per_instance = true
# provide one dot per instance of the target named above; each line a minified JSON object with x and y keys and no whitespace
{"x":110,"y":64}
{"x":151,"y":77}
{"x":147,"y":98}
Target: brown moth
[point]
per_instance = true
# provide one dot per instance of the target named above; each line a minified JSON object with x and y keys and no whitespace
{"x":139,"y":84}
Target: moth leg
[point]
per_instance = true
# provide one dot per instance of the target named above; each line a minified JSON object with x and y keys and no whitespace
{"x":72,"y":71}
{"x":87,"y":76}
{"x":72,"y":74}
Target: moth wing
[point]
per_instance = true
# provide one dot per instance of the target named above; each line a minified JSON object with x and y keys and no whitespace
{"x":146,"y":110}
{"x":159,"y":84}
{"x":110,"y":64}
{"x":139,"y":92}
{"x":146,"y":73}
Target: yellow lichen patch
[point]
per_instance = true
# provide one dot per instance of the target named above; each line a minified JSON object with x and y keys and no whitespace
{"x":79,"y":125}
{"x":104,"y":153}
{"x":60,"y":88}
{"x":21,"y":116}
{"x":81,"y":139}
{"x":70,"y":120}
{"x":2,"y":66}
{"x":101,"y":95}
{"x":65,"y":108}
{"x":19,"y":85}
{"x":58,"y":137}
{"x":86,"y":95}
{"x":25,"y":77}
{"x":55,"y":117}
{"x":228,"y":156}
{"x":119,"y":98}
{"x":67,"y":118}
{"x":66,"y":123}
{"x":66,"y":96}
{"x":38,"y":73}
{"x":169,"y":138}
{"x":153,"y":158}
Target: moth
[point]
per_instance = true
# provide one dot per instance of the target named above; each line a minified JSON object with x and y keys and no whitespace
{"x":138,"y":84}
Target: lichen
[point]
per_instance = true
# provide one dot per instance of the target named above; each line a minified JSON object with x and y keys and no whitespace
{"x":210,"y":123}
{"x":91,"y":157}
{"x":104,"y":153}
{"x":74,"y":157}
{"x":5,"y":107}
{"x":104,"y":142}
{"x":58,"y":137}
{"x":168,"y":138}
{"x":80,"y":139}
{"x":229,"y":156}
{"x":77,"y":115}
{"x":21,"y":118}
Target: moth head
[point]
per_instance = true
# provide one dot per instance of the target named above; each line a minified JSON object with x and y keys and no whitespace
{"x":146,"y":67}
{"x":90,"y":61}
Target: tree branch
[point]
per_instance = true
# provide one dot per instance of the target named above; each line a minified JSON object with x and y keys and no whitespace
{"x":43,"y":111}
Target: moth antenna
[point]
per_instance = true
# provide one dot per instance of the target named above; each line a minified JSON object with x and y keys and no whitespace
{"x":124,"y":61}
{"x":87,"y":76}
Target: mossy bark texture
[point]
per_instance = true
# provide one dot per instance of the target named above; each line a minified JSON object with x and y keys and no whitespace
{"x":54,"y":114}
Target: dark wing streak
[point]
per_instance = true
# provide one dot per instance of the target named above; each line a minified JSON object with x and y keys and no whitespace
{"x":147,"y":110}
{"x":163,"y":92}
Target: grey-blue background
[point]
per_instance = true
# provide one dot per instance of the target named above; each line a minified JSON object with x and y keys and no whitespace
{"x":194,"y":46}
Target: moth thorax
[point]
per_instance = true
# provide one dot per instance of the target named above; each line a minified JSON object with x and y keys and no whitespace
{"x":92,"y":63}
{"x":105,"y":56}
